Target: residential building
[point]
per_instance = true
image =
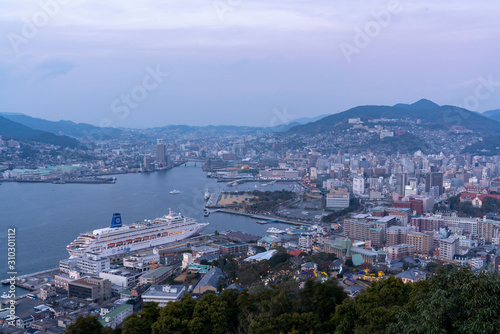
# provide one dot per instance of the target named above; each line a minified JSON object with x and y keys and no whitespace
{"x":62,"y":281}
{"x":161,"y":156}
{"x":396,"y":235}
{"x":476,"y":262}
{"x":421,"y":241}
{"x":209,"y":282}
{"x":25,"y":322}
{"x":401,"y":251}
{"x":358,"y":185}
{"x":412,"y":275}
{"x":116,"y":316}
{"x":448,"y":248}
{"x":427,"y":224}
{"x":229,"y":248}
{"x":306,"y":240}
{"x":485,"y":230}
{"x":67,"y":265}
{"x":47,"y":291}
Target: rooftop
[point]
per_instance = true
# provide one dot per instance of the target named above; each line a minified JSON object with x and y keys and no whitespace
{"x":211,"y":278}
{"x":262,"y":256}
{"x":164,"y":291}
{"x":412,"y":274}
{"x":156,"y":272}
{"x":114,"y":313}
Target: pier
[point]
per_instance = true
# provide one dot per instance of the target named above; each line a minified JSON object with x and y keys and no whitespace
{"x":267,"y":218}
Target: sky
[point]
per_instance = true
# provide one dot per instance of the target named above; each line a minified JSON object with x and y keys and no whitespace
{"x":243,"y":62}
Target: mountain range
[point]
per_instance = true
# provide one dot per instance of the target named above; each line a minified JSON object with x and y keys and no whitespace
{"x":65,"y":128}
{"x":14,"y":130}
{"x":427,"y":111}
{"x":493,"y":114}
{"x":430,"y":116}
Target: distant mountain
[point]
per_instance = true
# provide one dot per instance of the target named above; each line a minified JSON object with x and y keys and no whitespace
{"x":68,"y":128}
{"x":434,"y":115}
{"x":190,"y":128}
{"x":297,"y":121}
{"x":493,"y":114}
{"x":16,"y":130}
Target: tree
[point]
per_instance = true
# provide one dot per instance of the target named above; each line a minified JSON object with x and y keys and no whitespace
{"x":461,"y":301}
{"x":174,"y":317}
{"x":374,"y":310}
{"x":141,"y":323}
{"x":321,"y":298}
{"x":85,"y":325}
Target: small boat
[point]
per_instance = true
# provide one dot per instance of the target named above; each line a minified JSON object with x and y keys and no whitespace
{"x":175,"y":191}
{"x":207,"y":194}
{"x":274,"y":230}
{"x":206,"y":212}
{"x":5,"y":295}
{"x":262,"y":222}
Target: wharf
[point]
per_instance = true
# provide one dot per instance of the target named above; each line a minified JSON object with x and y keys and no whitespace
{"x":213,"y":201}
{"x":262,"y":217}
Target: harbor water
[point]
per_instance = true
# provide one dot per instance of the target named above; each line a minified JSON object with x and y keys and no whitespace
{"x":47,"y":217}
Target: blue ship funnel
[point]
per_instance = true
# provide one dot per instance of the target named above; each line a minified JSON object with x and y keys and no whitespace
{"x":116,"y":221}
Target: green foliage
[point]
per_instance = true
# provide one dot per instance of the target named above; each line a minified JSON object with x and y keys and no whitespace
{"x":462,"y":301}
{"x":373,"y":311}
{"x":85,"y":325}
{"x":141,"y":323}
{"x":321,"y":298}
{"x":353,"y":206}
{"x":466,"y":208}
{"x":267,"y":200}
{"x":452,"y":301}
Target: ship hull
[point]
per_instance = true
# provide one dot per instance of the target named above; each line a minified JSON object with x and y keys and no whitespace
{"x":131,"y":239}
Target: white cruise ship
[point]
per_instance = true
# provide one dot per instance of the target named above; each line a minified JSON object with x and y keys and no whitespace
{"x":130,"y":238}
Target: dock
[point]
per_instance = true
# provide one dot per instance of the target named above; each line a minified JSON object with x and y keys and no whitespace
{"x":213,"y":201}
{"x":267,"y":218}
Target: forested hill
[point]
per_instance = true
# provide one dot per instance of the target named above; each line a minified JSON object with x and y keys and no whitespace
{"x":456,"y":301}
{"x":14,"y":130}
{"x":425,"y":110}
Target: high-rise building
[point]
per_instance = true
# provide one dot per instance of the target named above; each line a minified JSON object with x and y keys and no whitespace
{"x":421,"y":241}
{"x":432,"y":180}
{"x":147,"y":164}
{"x":427,"y":224}
{"x":448,"y":248}
{"x":161,"y":156}
{"x":485,"y":230}
{"x":401,"y":180}
{"x":337,"y":199}
{"x":400,"y":251}
{"x":396,"y":235}
{"x":358,"y":185}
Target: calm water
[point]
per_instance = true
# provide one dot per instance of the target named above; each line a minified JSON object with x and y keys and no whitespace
{"x":49,"y":216}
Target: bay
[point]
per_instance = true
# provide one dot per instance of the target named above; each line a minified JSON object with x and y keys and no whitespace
{"x":47,"y":217}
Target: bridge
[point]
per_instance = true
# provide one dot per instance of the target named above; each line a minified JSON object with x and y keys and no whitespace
{"x":190,"y":159}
